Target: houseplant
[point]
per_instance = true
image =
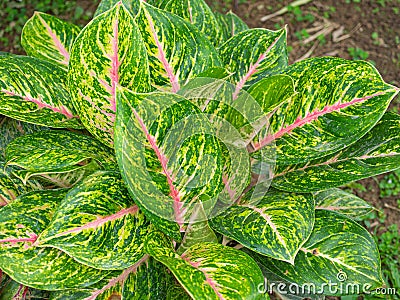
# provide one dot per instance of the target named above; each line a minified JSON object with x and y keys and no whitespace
{"x":139,"y":154}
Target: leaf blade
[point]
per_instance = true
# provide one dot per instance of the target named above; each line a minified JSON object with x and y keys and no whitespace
{"x":49,"y":38}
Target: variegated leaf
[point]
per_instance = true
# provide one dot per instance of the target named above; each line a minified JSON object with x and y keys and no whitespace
{"x":167,"y":154}
{"x":272,"y":92}
{"x":254,"y":54}
{"x":43,"y":268}
{"x":104,"y":5}
{"x":229,"y":24}
{"x":108,"y":52}
{"x":10,"y":188}
{"x":147,"y":279}
{"x":10,"y":289}
{"x":98,"y":224}
{"x":49,"y":38}
{"x":198,"y":13}
{"x":337,"y":102}
{"x":11,"y":129}
{"x":376,"y":153}
{"x":63,"y":178}
{"x":34,"y":91}
{"x":176,"y":292}
{"x":339,"y":251}
{"x":197,"y":231}
{"x":209,"y":270}
{"x":342,"y":202}
{"x":277,"y":226}
{"x":57,"y":151}
{"x":191,"y":55}
{"x":16,"y":291}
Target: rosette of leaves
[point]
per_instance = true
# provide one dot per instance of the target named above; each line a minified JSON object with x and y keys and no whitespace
{"x":112,"y":170}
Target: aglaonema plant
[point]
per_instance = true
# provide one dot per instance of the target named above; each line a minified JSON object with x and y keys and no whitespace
{"x":168,"y":152}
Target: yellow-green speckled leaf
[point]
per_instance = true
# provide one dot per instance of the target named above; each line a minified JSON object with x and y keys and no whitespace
{"x":57,"y":151}
{"x":197,"y":231}
{"x":198,"y":13}
{"x":229,"y":25}
{"x":34,"y":91}
{"x":16,"y":291}
{"x":177,"y":50}
{"x":210,"y":270}
{"x":108,"y":52}
{"x":11,"y":129}
{"x":277,"y":226}
{"x":146,"y":280}
{"x":21,"y":222}
{"x":342,"y":202}
{"x":254,"y":54}
{"x":98,"y":224}
{"x":10,"y":188}
{"x":337,"y":102}
{"x":49,"y":38}
{"x":168,"y":154}
{"x":104,"y":5}
{"x":339,"y":251}
{"x":376,"y":153}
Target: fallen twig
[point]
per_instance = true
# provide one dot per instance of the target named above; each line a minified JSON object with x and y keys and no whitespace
{"x":285,"y":9}
{"x":391,"y":207}
{"x":309,"y":52}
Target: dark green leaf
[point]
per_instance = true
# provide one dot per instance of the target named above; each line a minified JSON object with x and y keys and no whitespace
{"x":376,"y":153}
{"x":339,"y":254}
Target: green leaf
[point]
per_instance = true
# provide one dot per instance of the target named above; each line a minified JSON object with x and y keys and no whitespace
{"x":342,"y":202}
{"x":198,"y":13}
{"x":173,"y":65}
{"x":277,"y":226}
{"x":107,"y":53}
{"x":176,"y":292}
{"x":339,"y":253}
{"x":337,"y":102}
{"x":210,"y":270}
{"x":14,"y":290}
{"x":148,"y":279}
{"x":34,"y":91}
{"x":11,"y":129}
{"x":49,"y":38}
{"x":198,"y":230}
{"x":43,"y":268}
{"x":376,"y":153}
{"x":64,"y":178}
{"x":272,"y":92}
{"x":267,"y":57}
{"x":176,"y":155}
{"x":104,"y":5}
{"x":230,"y":25}
{"x":98,"y":224}
{"x":10,"y":188}
{"x":49,"y":152}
